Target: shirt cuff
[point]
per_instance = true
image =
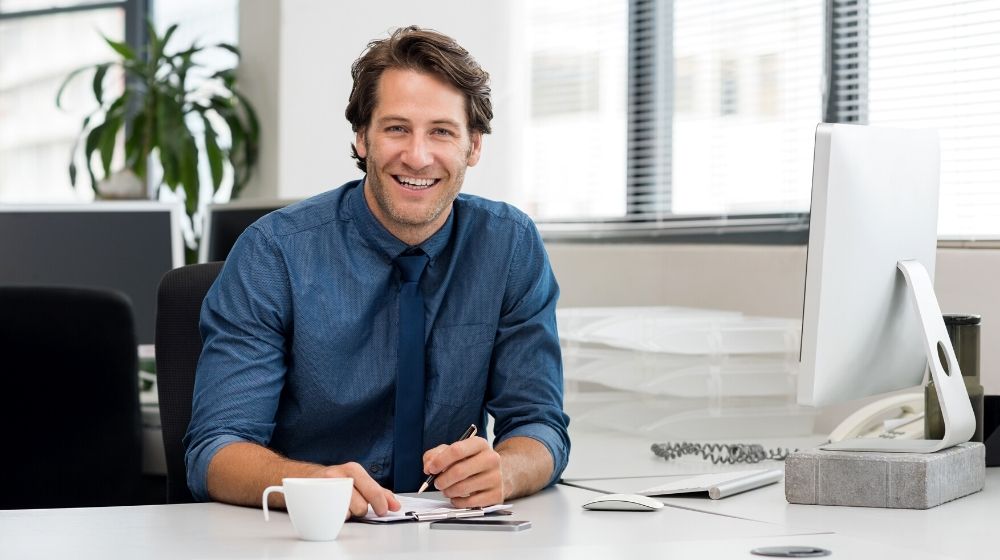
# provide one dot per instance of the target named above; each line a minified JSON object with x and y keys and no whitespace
{"x":556,"y":443}
{"x":198,"y":459}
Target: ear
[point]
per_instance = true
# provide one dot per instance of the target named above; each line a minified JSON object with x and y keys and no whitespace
{"x":476,"y":149}
{"x":359,"y":143}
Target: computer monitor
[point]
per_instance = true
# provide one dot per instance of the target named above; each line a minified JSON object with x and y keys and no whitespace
{"x":224,"y":223}
{"x":124,"y":246}
{"x":871,"y":322}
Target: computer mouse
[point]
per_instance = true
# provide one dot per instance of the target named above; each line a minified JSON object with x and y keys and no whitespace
{"x":624,"y":502}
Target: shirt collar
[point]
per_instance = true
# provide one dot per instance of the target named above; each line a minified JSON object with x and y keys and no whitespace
{"x":387,"y":243}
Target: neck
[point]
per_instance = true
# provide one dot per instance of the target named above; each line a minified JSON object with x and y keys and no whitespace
{"x":410,"y":234}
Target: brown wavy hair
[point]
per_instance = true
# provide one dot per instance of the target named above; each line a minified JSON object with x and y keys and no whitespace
{"x":426,"y":51}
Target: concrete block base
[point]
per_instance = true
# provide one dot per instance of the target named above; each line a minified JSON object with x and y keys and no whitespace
{"x":887,"y":480}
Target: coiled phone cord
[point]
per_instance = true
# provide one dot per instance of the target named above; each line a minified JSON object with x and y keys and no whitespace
{"x":725,"y":453}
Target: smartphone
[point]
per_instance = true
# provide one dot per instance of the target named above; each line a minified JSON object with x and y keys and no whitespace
{"x":482,"y":524}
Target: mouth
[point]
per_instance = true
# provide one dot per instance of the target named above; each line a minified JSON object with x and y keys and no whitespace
{"x":415,"y":183}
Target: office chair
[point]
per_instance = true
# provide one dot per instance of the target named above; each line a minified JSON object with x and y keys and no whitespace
{"x":69,"y":399}
{"x":178,"y":346}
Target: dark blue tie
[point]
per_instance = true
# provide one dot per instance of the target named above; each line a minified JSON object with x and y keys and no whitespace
{"x":408,"y":435}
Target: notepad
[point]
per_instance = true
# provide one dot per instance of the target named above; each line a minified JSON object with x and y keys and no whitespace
{"x":428,"y":509}
{"x":717,"y":485}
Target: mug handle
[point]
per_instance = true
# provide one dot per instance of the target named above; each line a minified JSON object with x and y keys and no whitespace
{"x":267,"y":491}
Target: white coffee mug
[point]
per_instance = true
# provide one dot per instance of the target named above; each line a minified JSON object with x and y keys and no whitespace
{"x":317,"y":506}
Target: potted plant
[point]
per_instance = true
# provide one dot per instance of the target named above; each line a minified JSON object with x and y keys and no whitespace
{"x":167,"y":121}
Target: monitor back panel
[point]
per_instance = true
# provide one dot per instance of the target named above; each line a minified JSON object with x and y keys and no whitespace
{"x":120,"y":250}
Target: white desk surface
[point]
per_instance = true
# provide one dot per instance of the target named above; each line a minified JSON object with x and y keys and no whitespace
{"x":561,"y":527}
{"x":706,"y":529}
{"x":964,"y":528}
{"x":562,"y":530}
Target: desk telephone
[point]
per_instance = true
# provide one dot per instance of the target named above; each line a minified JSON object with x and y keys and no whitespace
{"x":895,"y":417}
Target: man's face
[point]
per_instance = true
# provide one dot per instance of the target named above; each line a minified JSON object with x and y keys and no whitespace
{"x":417,"y":147}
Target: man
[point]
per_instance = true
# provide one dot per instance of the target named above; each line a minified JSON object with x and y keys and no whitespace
{"x":359,"y":333}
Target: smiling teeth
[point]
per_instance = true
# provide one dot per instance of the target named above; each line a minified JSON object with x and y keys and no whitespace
{"x":410,"y":181}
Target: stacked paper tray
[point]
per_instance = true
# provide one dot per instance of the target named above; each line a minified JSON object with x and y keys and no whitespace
{"x":660,"y":416}
{"x":679,"y":330}
{"x":682,"y":372}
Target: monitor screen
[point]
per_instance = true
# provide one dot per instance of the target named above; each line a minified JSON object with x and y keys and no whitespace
{"x":124,"y":246}
{"x":224,"y":223}
{"x":874,"y":203}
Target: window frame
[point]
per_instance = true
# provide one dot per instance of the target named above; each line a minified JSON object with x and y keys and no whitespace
{"x":136,"y":12}
{"x":649,"y":113}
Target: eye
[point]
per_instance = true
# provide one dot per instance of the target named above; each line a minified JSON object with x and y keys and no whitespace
{"x":442,"y":132}
{"x":395,"y":128}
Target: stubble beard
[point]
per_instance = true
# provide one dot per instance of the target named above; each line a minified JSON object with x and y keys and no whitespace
{"x":385,"y":203}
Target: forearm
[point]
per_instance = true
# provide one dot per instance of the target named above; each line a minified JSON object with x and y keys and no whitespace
{"x":525,"y":465}
{"x":239,"y":473}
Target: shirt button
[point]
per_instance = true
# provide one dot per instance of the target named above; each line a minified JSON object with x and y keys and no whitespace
{"x":375,"y":469}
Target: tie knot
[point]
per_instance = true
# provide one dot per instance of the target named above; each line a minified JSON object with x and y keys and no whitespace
{"x":411,"y":265}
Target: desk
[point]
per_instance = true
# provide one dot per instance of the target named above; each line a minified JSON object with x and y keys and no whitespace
{"x":562,"y":529}
{"x":964,"y":528}
{"x":729,"y":528}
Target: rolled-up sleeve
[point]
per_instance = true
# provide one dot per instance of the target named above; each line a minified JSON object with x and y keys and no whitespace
{"x":241,"y":371}
{"x":526,"y":382}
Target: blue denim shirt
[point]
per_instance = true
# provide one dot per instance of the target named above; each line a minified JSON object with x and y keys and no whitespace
{"x":300,"y":334}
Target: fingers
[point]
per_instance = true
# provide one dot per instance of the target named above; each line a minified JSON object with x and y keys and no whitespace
{"x":366,"y":491}
{"x":359,"y":506}
{"x":370,"y":490}
{"x":392,"y":500}
{"x":480,"y":490}
{"x":430,"y":453}
{"x":442,"y":457}
{"x":474,"y":481}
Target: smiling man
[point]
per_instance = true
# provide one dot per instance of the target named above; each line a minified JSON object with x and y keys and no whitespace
{"x":359,"y":333}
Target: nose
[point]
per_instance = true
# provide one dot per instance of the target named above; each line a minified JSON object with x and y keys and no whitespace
{"x":417,"y":154}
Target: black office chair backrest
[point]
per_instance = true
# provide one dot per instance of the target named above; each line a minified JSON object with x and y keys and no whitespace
{"x":70,"y":426}
{"x":178,"y":345}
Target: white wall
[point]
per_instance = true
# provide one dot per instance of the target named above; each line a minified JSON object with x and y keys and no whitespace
{"x":296,"y":68}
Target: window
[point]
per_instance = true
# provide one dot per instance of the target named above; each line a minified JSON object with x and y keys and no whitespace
{"x":39,"y":47}
{"x":937,"y":65}
{"x":574,"y":149}
{"x":672,"y":113}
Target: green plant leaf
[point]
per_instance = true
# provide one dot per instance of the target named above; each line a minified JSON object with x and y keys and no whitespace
{"x":251,"y":116}
{"x":99,"y":73}
{"x":66,"y":82}
{"x":72,"y":151}
{"x":166,"y":39}
{"x":213,"y":152}
{"x":106,"y":143}
{"x":121,"y":48}
{"x":229,"y":48}
{"x":188,"y":158}
{"x":166,"y":139}
{"x":89,"y":146}
{"x":135,"y":132}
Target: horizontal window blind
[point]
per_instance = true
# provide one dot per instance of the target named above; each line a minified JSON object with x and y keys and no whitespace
{"x":937,"y":65}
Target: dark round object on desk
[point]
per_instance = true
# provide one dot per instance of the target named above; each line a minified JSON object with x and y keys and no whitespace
{"x":791,"y":551}
{"x":961,"y":319}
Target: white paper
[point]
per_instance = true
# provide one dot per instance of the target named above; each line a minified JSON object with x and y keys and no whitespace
{"x":420,"y":505}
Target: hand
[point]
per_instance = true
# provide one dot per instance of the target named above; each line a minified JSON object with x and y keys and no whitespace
{"x":366,"y":490}
{"x":468,"y":472}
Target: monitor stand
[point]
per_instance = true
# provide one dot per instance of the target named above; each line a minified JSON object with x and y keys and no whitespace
{"x":959,"y":421}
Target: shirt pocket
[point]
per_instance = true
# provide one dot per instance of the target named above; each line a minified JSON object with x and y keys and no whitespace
{"x":458,"y":364}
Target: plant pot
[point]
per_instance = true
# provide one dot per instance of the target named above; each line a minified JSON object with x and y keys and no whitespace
{"x":122,"y":185}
